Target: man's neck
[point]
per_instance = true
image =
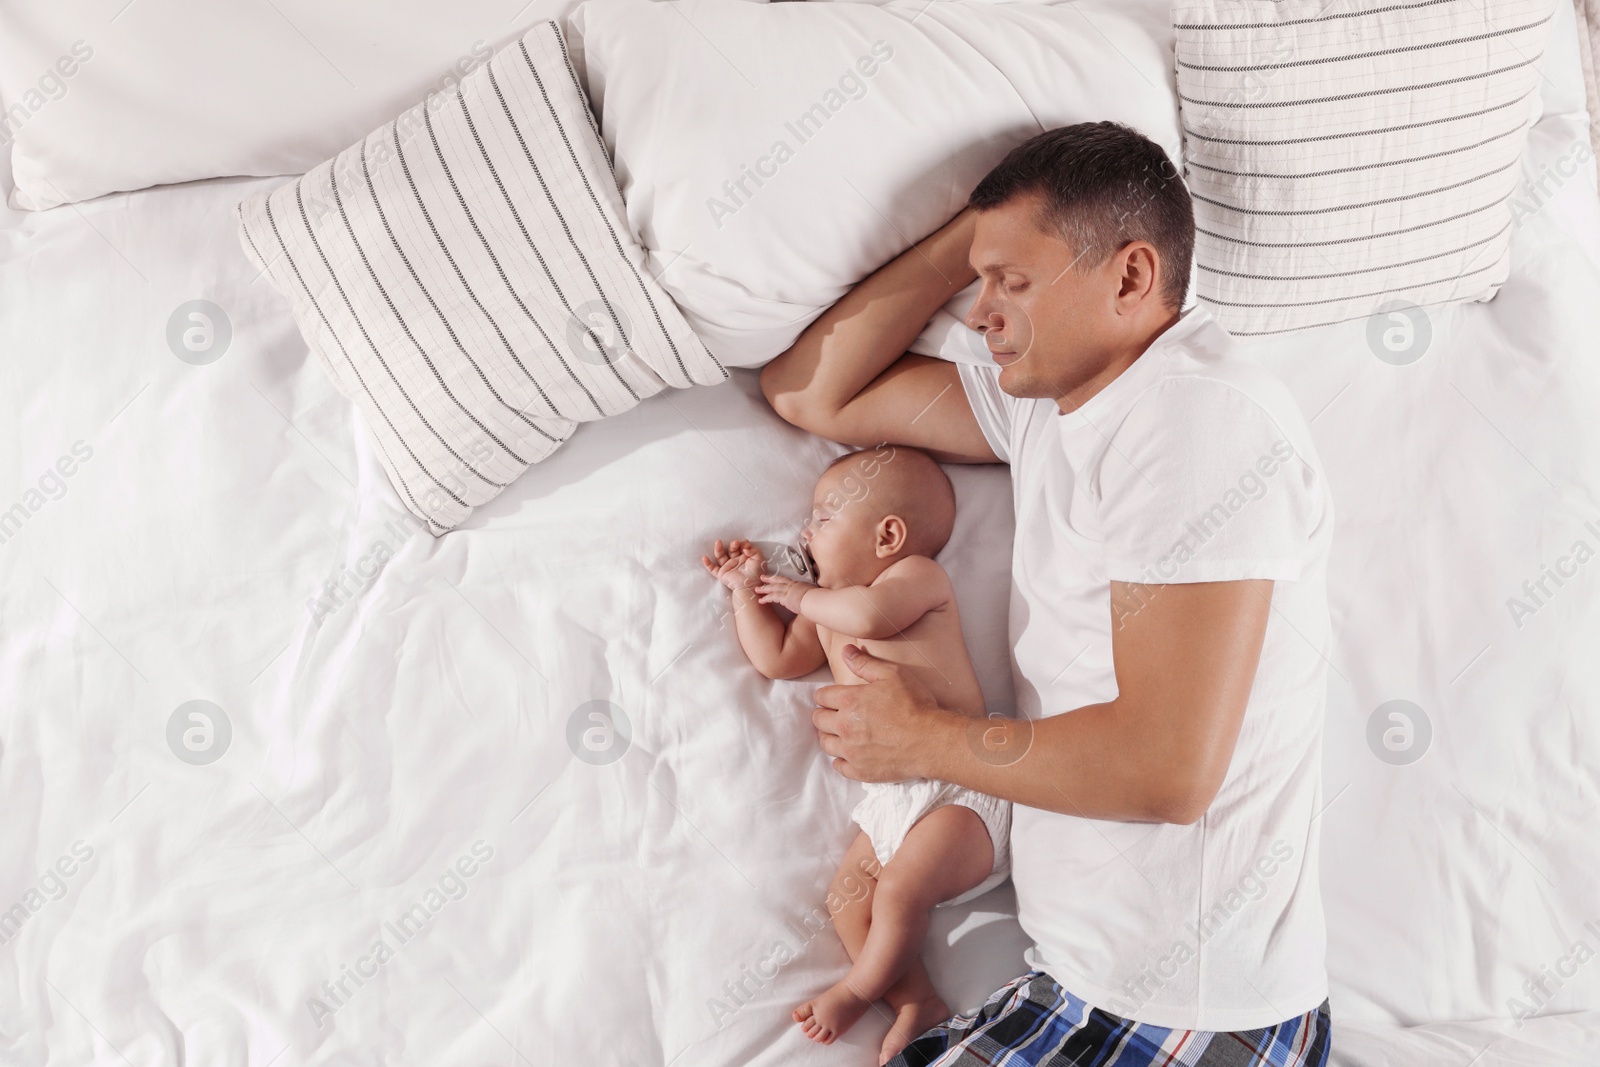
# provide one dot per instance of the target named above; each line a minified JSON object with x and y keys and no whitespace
{"x":1113,"y":368}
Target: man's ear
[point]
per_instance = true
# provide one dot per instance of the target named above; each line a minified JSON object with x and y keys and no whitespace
{"x":1139,"y":270}
{"x":890,"y":537}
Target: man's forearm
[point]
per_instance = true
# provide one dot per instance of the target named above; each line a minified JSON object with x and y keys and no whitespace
{"x":1085,"y":763}
{"x":855,"y":340}
{"x":1160,"y":752}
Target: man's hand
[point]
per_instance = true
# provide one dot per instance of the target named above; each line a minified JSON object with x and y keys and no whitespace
{"x":776,"y":589}
{"x":884,"y":730}
{"x":1185,"y":659}
{"x":739,"y":566}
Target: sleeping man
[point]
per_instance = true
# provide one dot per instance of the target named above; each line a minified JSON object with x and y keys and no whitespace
{"x":1169,"y":619}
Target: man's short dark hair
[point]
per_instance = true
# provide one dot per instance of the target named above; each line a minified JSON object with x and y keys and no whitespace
{"x":1104,"y":186}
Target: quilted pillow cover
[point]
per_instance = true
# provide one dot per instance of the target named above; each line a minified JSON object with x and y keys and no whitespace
{"x":1351,"y":159}
{"x":467,"y":276}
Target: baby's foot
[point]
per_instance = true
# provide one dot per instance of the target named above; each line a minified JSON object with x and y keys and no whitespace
{"x":910,"y":1022}
{"x":831,"y":1014}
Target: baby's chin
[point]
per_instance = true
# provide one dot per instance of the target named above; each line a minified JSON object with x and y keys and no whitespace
{"x":829,"y":579}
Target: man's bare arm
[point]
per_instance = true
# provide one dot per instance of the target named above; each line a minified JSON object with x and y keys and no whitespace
{"x":1185,"y":658}
{"x":848,"y":377}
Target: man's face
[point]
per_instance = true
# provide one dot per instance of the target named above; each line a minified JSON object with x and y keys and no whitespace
{"x":1049,"y":324}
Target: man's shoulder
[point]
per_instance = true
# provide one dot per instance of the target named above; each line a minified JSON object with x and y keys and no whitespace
{"x":1209,"y":354}
{"x":1206,"y":385}
{"x":1221,"y":390}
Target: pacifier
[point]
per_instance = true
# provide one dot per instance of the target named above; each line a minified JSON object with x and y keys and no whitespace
{"x":791,"y":561}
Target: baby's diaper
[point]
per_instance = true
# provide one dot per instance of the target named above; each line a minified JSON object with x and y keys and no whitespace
{"x":891,"y":809}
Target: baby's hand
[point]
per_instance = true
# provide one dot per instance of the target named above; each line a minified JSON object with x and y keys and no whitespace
{"x":740,"y":566}
{"x":776,"y":589}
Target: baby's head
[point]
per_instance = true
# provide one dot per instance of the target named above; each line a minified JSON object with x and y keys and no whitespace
{"x":873,"y":508}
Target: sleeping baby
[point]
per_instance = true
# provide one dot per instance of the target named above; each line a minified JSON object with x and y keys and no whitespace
{"x":878,"y":519}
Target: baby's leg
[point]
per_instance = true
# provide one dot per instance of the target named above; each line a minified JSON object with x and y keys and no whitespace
{"x":945,"y":854}
{"x":853,"y":886}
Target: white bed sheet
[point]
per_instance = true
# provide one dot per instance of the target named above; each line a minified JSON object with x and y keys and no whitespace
{"x":371,"y":751}
{"x":628,"y":910}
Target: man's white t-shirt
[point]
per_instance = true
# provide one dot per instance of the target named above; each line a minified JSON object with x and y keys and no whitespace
{"x":1194,"y":465}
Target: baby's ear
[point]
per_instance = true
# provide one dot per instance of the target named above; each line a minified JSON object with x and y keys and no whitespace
{"x":892,"y":536}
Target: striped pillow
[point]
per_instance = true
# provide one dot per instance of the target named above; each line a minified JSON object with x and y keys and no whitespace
{"x":467,"y":277}
{"x":1352,"y":158}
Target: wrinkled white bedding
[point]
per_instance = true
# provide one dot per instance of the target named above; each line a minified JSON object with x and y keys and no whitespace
{"x":415,"y":725}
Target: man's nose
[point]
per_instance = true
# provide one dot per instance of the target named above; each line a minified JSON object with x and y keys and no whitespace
{"x":982,"y":314}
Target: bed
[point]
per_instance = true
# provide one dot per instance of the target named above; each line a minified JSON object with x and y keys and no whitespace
{"x":512,"y":794}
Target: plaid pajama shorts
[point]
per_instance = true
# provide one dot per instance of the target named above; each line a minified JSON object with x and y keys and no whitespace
{"x":1033,"y":1022}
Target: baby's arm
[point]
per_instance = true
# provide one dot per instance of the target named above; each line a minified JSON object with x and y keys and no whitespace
{"x":776,"y":649}
{"x":897,"y":598}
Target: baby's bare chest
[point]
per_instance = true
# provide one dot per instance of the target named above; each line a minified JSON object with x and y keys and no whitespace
{"x":931,"y":649}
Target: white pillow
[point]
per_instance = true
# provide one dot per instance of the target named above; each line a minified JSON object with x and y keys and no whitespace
{"x":466,"y":277}
{"x":910,"y":104}
{"x":1355,"y":160}
{"x":100,"y":97}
